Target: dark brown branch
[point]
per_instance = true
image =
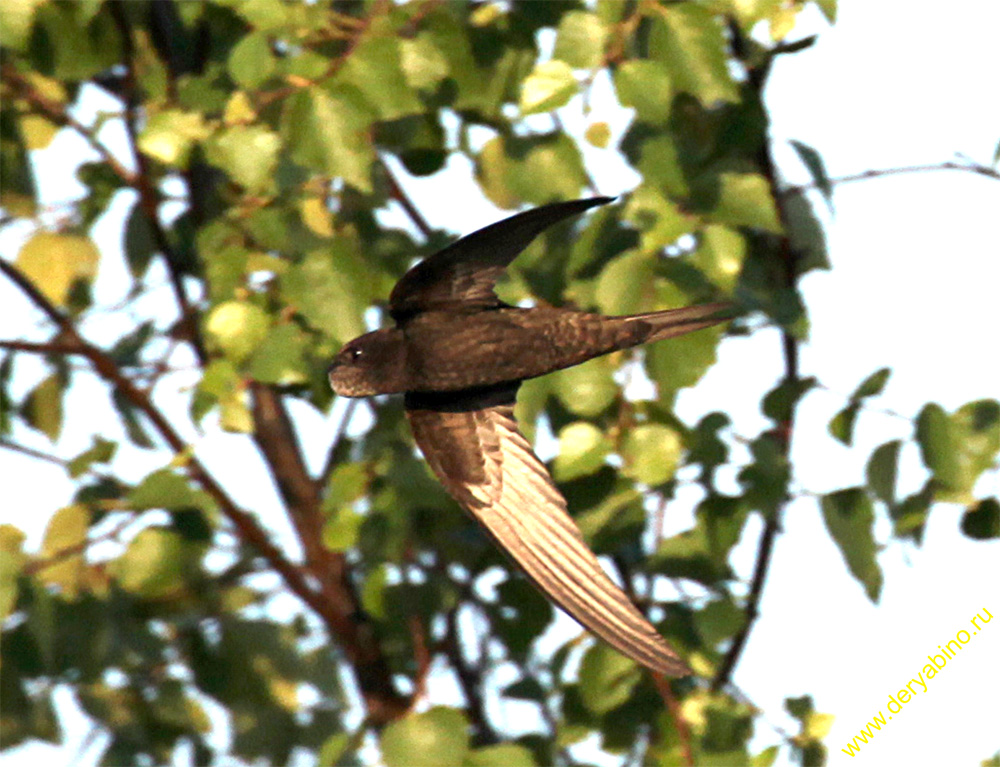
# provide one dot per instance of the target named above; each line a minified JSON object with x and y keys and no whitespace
{"x":383,"y":702}
{"x":15,"y":447}
{"x":470,"y":679}
{"x":58,"y":113}
{"x":149,"y":196}
{"x":784,"y":430}
{"x":396,"y":192}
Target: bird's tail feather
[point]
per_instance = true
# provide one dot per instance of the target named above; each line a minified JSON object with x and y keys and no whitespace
{"x":676,"y":322}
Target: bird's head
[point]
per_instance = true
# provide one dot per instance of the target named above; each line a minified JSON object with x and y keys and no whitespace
{"x":370,"y":364}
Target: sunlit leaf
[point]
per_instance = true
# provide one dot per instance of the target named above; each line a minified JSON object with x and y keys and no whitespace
{"x":53,"y":262}
{"x":438,"y":736}
{"x":850,"y":519}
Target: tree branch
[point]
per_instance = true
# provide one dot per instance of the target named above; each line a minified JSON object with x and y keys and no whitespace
{"x":969,"y":167}
{"x":383,"y":702}
{"x":149,"y":196}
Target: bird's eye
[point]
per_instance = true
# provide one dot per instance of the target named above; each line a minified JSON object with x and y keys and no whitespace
{"x":356,"y":354}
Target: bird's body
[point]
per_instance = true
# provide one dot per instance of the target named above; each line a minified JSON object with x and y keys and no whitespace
{"x":459,"y":354}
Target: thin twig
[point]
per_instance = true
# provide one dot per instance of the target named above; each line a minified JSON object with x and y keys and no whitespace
{"x":670,"y":701}
{"x":970,"y":167}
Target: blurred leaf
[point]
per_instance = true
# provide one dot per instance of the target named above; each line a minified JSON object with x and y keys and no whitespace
{"x":582,"y":450}
{"x":280,"y":358}
{"x":745,"y":200}
{"x":43,"y":407}
{"x":251,"y":61}
{"x":607,"y":678}
{"x":328,"y":131}
{"x":130,"y":419}
{"x":719,"y":620}
{"x":806,"y":235}
{"x":163,"y":489}
{"x":140,"y":242}
{"x":236,"y":328}
{"x":248,"y":154}
{"x":659,"y":220}
{"x":960,"y":447}
{"x":375,"y":69}
{"x":100,"y":451}
{"x":16,"y":18}
{"x":765,"y":479}
{"x":720,"y":255}
{"x":341,"y":530}
{"x":502,"y":755}
{"x":550,"y":85}
{"x":155,"y":563}
{"x":331,"y":290}
{"x":881,"y":471}
{"x":53,"y":262}
{"x":598,"y":134}
{"x":64,"y":545}
{"x":779,"y":404}
{"x":814,"y":164}
{"x":625,"y":285}
{"x":982,"y":521}
{"x":841,"y":426}
{"x":423,"y":63}
{"x":850,"y":519}
{"x":872,"y":385}
{"x":588,"y":389}
{"x":645,"y":85}
{"x":12,"y":561}
{"x":438,"y":736}
{"x":676,"y":363}
{"x":580,"y":40}
{"x":170,"y":135}
{"x":689,"y":41}
{"x":651,"y":452}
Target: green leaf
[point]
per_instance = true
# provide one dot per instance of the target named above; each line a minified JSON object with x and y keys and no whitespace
{"x":588,"y":389}
{"x":719,"y":620}
{"x":689,"y":41}
{"x":582,"y":450}
{"x":625,"y":285}
{"x":155,"y":564}
{"x":163,"y":489}
{"x":607,"y":678}
{"x":248,"y":154}
{"x":645,"y":85}
{"x":280,"y":358}
{"x":779,"y":404}
{"x":329,"y":131}
{"x":841,"y":426}
{"x":140,"y":243}
{"x":651,"y":452}
{"x":958,"y":448}
{"x":251,"y":62}
{"x":720,"y":255}
{"x":765,"y":479}
{"x":598,"y":134}
{"x":983,"y":520}
{"x":341,"y":530}
{"x":676,"y":363}
{"x":66,"y":534}
{"x":130,"y":419}
{"x":423,"y":63}
{"x":872,"y":385}
{"x":331,"y":290}
{"x":375,"y":69}
{"x":502,"y":755}
{"x":170,"y":135}
{"x":881,"y":471}
{"x":550,"y":85}
{"x":100,"y":451}
{"x":12,"y":562}
{"x":850,"y":519}
{"x":659,"y":220}
{"x":43,"y":407}
{"x":580,"y":40}
{"x":814,"y":164}
{"x":438,"y":736}
{"x":745,"y":200}
{"x":16,"y":17}
{"x":806,"y":234}
{"x":236,"y":328}
{"x":53,"y":262}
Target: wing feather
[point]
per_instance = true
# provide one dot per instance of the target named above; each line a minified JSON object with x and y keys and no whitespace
{"x":488,"y":466}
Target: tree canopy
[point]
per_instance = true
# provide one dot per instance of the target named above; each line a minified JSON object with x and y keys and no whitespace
{"x":251,"y":159}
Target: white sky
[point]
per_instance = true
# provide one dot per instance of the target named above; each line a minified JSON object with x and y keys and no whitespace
{"x":916,"y":271}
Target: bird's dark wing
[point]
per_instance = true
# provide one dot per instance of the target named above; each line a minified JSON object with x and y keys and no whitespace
{"x":462,"y":275}
{"x":472,"y":443}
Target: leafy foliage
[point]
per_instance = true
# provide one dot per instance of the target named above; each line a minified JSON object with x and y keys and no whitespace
{"x":256,"y":148}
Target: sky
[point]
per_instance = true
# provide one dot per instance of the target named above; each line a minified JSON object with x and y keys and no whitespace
{"x":916,"y":267}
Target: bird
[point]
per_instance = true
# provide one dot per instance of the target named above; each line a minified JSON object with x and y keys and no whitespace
{"x":458,"y":354}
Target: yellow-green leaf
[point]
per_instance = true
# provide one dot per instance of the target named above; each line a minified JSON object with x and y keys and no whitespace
{"x":53,"y":262}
